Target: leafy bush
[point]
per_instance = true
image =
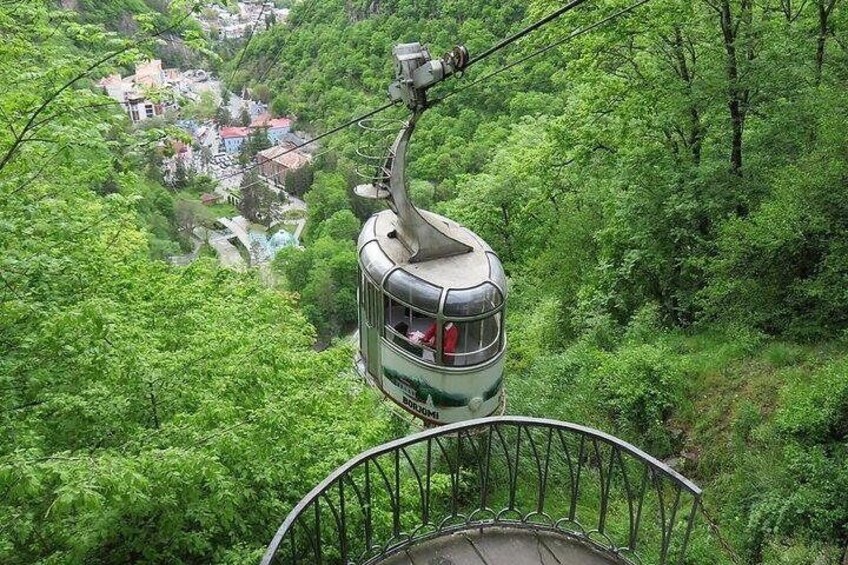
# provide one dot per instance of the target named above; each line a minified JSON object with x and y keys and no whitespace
{"x":641,"y":386}
{"x":815,"y":407}
{"x":560,"y":386}
{"x":807,"y":499}
{"x":800,"y":494}
{"x":784,"y":268}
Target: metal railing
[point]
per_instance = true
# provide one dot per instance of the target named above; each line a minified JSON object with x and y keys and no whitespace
{"x":503,"y":471}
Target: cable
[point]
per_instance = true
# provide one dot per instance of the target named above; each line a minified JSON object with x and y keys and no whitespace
{"x":316,"y":138}
{"x":516,"y":36}
{"x":275,"y":57}
{"x":247,"y":43}
{"x":496,"y":47}
{"x":536,"y":53}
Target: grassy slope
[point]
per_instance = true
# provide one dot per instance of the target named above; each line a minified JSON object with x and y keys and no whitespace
{"x":730,"y":428}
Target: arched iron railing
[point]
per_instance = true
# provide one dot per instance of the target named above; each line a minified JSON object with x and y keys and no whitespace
{"x":503,"y":471}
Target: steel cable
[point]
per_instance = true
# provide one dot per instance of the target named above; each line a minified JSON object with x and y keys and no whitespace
{"x":542,"y":50}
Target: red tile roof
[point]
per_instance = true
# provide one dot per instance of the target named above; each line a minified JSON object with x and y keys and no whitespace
{"x":286,"y":158}
{"x":280,"y":123}
{"x":265,"y":121}
{"x":234,"y":132}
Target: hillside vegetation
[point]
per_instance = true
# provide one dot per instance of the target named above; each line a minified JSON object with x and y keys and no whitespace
{"x":147,"y":413}
{"x":669,"y":196}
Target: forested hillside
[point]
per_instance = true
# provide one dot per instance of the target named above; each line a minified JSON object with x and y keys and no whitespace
{"x":669,"y":195}
{"x":147,"y":413}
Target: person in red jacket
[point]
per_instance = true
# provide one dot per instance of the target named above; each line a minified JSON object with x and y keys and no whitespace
{"x":449,"y":338}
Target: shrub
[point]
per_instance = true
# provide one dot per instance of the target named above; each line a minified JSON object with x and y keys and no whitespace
{"x":815,"y":408}
{"x":640,"y":387}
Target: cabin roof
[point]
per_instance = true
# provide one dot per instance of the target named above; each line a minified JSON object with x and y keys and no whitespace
{"x":379,"y":253}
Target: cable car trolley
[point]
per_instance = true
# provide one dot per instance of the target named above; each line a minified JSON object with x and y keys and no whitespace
{"x":431,"y":292}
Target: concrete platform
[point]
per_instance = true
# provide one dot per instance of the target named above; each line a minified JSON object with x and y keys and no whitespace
{"x":500,"y":546}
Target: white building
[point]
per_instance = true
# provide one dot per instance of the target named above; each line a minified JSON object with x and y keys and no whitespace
{"x":132,"y":91}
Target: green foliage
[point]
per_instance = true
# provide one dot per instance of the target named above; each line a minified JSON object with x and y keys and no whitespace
{"x":641,"y":387}
{"x":341,"y":226}
{"x":147,"y":413}
{"x":815,"y":410}
{"x":327,"y":196}
{"x":783,"y":268}
{"x":632,"y":392}
{"x":299,"y":180}
{"x":256,"y":198}
{"x":205,"y":108}
{"x":222,"y":116}
{"x":256,"y":141}
{"x":325,"y":274}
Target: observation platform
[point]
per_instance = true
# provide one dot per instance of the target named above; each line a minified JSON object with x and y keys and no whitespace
{"x":494,"y":491}
{"x":500,"y":546}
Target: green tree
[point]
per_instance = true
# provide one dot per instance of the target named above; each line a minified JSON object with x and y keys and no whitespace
{"x":327,"y":196}
{"x":341,"y":226}
{"x":182,"y":176}
{"x":325,"y":276}
{"x":222,"y":116}
{"x":205,"y":108}
{"x":136,"y":398}
{"x":257,"y":140}
{"x":256,"y":199}
{"x":299,"y":180}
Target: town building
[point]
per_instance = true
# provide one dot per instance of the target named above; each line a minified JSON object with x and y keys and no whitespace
{"x":233,"y":138}
{"x":218,"y":21}
{"x":276,"y":162}
{"x":149,"y":73}
{"x":277,"y":130}
{"x":135,"y":103}
{"x":132,"y":92}
{"x":277,"y":127}
{"x":292,"y":140}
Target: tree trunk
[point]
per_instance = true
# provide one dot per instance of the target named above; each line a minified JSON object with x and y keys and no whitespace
{"x":737,"y":120}
{"x":737,"y":96}
{"x":685,"y":70}
{"x":825,"y":9}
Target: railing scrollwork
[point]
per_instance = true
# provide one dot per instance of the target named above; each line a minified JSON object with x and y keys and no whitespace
{"x":503,"y":471}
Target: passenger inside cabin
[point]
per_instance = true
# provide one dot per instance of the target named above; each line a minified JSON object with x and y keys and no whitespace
{"x":450,"y":336}
{"x":402,"y":328}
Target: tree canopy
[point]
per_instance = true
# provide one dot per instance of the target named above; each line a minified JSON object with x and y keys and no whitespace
{"x":666,"y":193}
{"x":149,"y":413}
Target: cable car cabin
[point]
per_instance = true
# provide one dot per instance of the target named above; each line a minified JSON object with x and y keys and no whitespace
{"x":431,"y":333}
{"x":431,"y":293}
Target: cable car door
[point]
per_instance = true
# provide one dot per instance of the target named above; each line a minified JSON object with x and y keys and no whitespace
{"x":370,"y":342}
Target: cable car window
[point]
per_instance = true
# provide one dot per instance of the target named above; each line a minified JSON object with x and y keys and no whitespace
{"x":414,"y":291}
{"x":371,"y":300}
{"x":375,"y":262}
{"x":478,"y":342}
{"x":405,"y":327}
{"x":473,"y":301}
